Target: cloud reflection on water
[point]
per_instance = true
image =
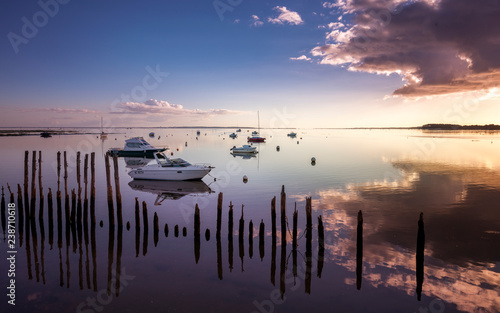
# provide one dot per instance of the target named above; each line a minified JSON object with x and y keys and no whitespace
{"x":462,"y":223}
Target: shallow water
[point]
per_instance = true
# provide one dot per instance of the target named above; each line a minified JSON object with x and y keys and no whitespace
{"x":390,"y":175}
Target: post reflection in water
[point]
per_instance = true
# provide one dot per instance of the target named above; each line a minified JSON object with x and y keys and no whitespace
{"x":420,"y":256}
{"x":359,"y":251}
{"x":230,"y":237}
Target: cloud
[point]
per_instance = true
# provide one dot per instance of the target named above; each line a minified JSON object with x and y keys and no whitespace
{"x":437,"y":47}
{"x":302,"y":57}
{"x":159,"y":107}
{"x":255,"y":21}
{"x":286,"y":16}
{"x":62,"y":110}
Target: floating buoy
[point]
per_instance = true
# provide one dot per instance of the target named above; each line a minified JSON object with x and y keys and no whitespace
{"x":186,"y":144}
{"x":171,"y":153}
{"x":313,"y":161}
{"x":277,"y":148}
{"x":245,"y":179}
{"x":297,"y":142}
{"x":177,"y":149}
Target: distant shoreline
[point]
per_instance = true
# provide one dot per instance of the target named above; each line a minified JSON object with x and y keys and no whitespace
{"x":35,"y":131}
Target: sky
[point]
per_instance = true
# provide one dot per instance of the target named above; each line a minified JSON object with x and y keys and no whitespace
{"x":300,"y":64}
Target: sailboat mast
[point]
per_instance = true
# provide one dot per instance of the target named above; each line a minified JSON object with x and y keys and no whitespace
{"x":258,"y":120}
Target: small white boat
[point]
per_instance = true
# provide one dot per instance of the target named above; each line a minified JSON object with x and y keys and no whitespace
{"x":136,"y":147}
{"x":244,"y":149}
{"x":255,"y":132}
{"x":292,"y":134}
{"x":238,"y":130}
{"x":233,"y":135}
{"x":170,"y":169}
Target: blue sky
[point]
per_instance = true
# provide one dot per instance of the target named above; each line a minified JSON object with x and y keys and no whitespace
{"x":221,"y":71}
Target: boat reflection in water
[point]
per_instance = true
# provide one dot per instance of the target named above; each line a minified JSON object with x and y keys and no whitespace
{"x":172,"y":190}
{"x":244,"y":155}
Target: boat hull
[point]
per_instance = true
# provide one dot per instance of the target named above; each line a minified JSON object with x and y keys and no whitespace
{"x":175,"y":173}
{"x":256,"y":139}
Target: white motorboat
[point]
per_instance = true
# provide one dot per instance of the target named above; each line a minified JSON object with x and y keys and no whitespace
{"x":244,"y":149}
{"x":136,"y":147}
{"x":170,"y":169}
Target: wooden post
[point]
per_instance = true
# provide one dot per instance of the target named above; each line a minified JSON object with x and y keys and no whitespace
{"x":20,"y":211}
{"x":51,"y":218}
{"x":273,"y":243}
{"x":111,"y":214}
{"x":197,"y":225}
{"x":26,"y":181}
{"x":137,"y":227}
{"x":273,"y":217}
{"x":250,"y":239}
{"x":33,"y":186}
{"x":176,"y":231}
{"x":283,"y":215}
{"x":3,"y":212}
{"x":165,"y":230}
{"x":241,"y":232}
{"x":85,"y":200}
{"x":219,"y":214}
{"x":40,"y":186}
{"x":58,"y":169}
{"x":92,"y":189}
{"x":207,"y":234}
{"x":118,"y":193}
{"x":78,"y":172}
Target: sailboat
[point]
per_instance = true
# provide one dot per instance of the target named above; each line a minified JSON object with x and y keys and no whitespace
{"x":103,"y":134}
{"x":255,"y":135}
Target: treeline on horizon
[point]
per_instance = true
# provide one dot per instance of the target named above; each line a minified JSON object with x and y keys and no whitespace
{"x":460,"y":127}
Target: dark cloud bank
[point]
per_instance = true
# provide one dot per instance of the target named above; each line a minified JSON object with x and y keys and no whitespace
{"x":438,"y":47}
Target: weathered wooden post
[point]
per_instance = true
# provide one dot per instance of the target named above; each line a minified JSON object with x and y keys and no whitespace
{"x":261,"y":240}
{"x":117,"y":191}
{"x":197,"y":225}
{"x":219,"y":214}
{"x":111,"y":215}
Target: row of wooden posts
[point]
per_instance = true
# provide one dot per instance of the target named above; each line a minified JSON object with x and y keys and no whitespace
{"x":76,"y":217}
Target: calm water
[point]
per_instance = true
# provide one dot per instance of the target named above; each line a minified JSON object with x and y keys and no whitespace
{"x":390,"y":175}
